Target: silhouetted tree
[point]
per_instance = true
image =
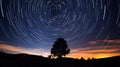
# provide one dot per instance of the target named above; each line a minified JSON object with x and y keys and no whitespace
{"x":82,"y":59}
{"x":60,"y":48}
{"x":1,"y":52}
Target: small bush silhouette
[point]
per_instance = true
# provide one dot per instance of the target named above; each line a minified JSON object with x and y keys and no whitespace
{"x":60,"y":48}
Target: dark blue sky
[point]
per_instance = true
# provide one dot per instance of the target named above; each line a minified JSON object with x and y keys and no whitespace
{"x":38,"y":23}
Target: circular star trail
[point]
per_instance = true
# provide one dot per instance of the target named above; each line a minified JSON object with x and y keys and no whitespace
{"x":40,"y":22}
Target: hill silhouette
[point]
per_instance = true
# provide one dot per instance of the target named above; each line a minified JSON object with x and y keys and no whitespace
{"x":26,"y":60}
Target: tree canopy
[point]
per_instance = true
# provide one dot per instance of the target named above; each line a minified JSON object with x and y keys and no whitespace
{"x":60,"y":48}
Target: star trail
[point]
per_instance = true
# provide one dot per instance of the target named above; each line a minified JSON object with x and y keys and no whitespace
{"x":38,"y":23}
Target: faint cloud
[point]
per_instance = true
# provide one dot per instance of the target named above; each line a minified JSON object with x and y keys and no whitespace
{"x":16,"y":50}
{"x":111,"y":42}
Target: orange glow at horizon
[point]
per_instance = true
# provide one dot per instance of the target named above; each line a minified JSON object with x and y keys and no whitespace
{"x":95,"y":52}
{"x":96,"y":56}
{"x":109,"y":50}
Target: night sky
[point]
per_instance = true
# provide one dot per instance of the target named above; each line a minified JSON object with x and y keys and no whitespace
{"x":90,"y":27}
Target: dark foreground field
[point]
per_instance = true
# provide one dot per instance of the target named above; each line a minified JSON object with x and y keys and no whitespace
{"x":24,"y":60}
